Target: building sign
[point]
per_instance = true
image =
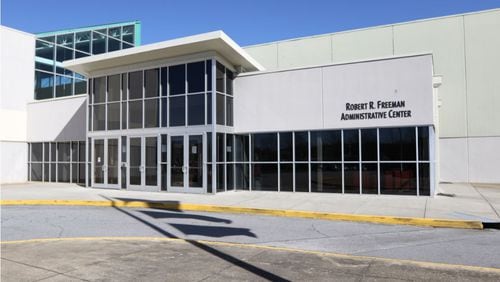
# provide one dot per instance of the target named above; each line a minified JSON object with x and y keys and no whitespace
{"x":375,"y":110}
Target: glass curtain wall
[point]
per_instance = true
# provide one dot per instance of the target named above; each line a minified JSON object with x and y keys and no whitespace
{"x":392,"y":161}
{"x":57,"y":162}
{"x":52,"y":81}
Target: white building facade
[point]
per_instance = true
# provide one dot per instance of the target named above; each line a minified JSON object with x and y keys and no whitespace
{"x":385,"y":110}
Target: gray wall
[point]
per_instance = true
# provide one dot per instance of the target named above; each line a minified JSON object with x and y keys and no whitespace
{"x":315,"y":98}
{"x":465,"y":51}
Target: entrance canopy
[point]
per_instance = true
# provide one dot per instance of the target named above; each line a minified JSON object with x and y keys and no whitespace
{"x":216,"y":41}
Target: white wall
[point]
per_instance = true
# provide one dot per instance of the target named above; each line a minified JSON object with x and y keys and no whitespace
{"x":17,"y":51}
{"x":315,"y":98}
{"x":62,"y":119}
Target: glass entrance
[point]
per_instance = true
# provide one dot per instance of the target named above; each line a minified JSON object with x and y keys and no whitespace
{"x":186,"y":163}
{"x":106,"y":163}
{"x":143,"y":163}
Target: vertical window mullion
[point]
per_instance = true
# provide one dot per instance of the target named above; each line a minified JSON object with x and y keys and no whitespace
{"x":417,"y":167}
{"x":293,"y":160}
{"x":279,"y":161}
{"x":360,"y":164}
{"x":342,"y":160}
{"x":378,"y":161}
{"x":309,"y":159}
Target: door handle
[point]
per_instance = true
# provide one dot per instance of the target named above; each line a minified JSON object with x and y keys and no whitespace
{"x":141,"y":168}
{"x":184,"y":169}
{"x":104,"y":168}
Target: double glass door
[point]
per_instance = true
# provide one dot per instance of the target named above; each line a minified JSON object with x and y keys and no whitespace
{"x":106,"y":163}
{"x":186,"y":163}
{"x":143,"y":163}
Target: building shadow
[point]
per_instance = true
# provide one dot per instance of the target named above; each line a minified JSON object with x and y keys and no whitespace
{"x":226,"y":257}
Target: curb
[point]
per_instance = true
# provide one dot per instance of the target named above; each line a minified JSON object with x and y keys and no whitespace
{"x":392,"y":220}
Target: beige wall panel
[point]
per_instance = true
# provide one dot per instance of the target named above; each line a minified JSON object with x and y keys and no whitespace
{"x":453,"y":160}
{"x":445,"y":40}
{"x":305,"y":52}
{"x":362,"y":44}
{"x":484,"y":159}
{"x":482,"y":46}
{"x":266,"y":55}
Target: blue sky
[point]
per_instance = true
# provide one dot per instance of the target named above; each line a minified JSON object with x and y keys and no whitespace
{"x":246,"y":21}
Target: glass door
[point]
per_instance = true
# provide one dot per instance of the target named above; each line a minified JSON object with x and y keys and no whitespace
{"x":106,"y":163}
{"x":143,"y":163}
{"x":186,"y":163}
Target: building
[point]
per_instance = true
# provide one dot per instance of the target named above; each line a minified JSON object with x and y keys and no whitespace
{"x":385,"y":110}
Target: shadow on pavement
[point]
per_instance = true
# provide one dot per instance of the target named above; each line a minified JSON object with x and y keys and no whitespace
{"x":212,"y":231}
{"x":231,"y":259}
{"x":179,"y":214}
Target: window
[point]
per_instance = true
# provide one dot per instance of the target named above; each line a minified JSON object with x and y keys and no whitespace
{"x":219,"y":78}
{"x":286,"y":147}
{"x":82,"y":41}
{"x":98,"y":43}
{"x":135,"y":85}
{"x":99,"y":90}
{"x":177,"y":111}
{"x":264,"y":147}
{"x":128,"y":34}
{"x":301,"y":146}
{"x":397,"y":144}
{"x":196,"y":77}
{"x":196,"y":109}
{"x":135,"y":114}
{"x":113,"y":116}
{"x":351,"y":145}
{"x":44,"y":50}
{"x":326,"y":145}
{"x":369,"y":144}
{"x":326,"y":177}
{"x":177,"y":79}
{"x":265,"y":177}
{"x":151,"y":83}
{"x":220,"y":109}
{"x":151,"y":113}
{"x":113,"y":88}
{"x":44,"y":83}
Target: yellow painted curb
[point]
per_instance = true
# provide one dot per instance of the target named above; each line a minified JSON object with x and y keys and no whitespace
{"x":435,"y":265}
{"x":415,"y":221}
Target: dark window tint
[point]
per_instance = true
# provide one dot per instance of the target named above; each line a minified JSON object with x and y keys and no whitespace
{"x":209,"y":108}
{"x":99,"y":115}
{"x":301,"y":178}
{"x":301,"y":146}
{"x":286,"y":177}
{"x":264,"y":147}
{"x":423,"y":143}
{"x":220,"y":77}
{"x":151,"y":113}
{"x":128,"y":34}
{"x":369,"y":176}
{"x":265,"y":177}
{"x":177,"y":111}
{"x":98,"y":43}
{"x":151,"y":83}
{"x":220,"y":178}
{"x":64,"y":86}
{"x":135,"y":114}
{"x":196,"y":109}
{"x":398,"y":179}
{"x":44,"y":85}
{"x":44,"y":50}
{"x":424,"y":179}
{"x":124,"y":86}
{"x":36,"y":152}
{"x":220,"y":147}
{"x":351,"y":178}
{"x":286,"y":147}
{"x":209,"y":75}
{"x":369,"y":144}
{"x":229,"y":148}
{"x":177,"y":79}
{"x":326,"y":178}
{"x":124,"y":115}
{"x":229,"y":82}
{"x":99,"y":89}
{"x":196,"y":77}
{"x":135,"y":85}
{"x":36,"y":171}
{"x":397,"y":144}
{"x":113,"y":116}
{"x":326,"y":145}
{"x":241,"y":176}
{"x":63,"y":152}
{"x":164,"y":112}
{"x":229,"y":111}
{"x":63,"y":54}
{"x":241,"y":148}
{"x":114,"y":88}
{"x":164,"y":81}
{"x":113,"y":45}
{"x":351,"y":145}
{"x":220,"y":109}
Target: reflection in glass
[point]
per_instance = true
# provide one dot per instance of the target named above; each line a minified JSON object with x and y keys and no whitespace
{"x":301,"y":146}
{"x":135,"y":161}
{"x":264,"y":147}
{"x":113,"y":88}
{"x":220,"y":109}
{"x":219,"y":78}
{"x":98,"y":43}
{"x":44,"y":85}
{"x":151,"y":82}
{"x":241,"y":176}
{"x":135,"y":85}
{"x":177,"y":79}
{"x":265,"y":177}
{"x":398,"y":178}
{"x":135,"y":114}
{"x":112,"y":161}
{"x":99,"y":89}
{"x":397,"y":144}
{"x":113,"y":116}
{"x":177,"y":161}
{"x":196,"y":109}
{"x":151,"y":113}
{"x":177,"y":111}
{"x":351,"y":145}
{"x":98,"y":161}
{"x":301,"y":178}
{"x":326,"y":145}
{"x":369,"y":144}
{"x":64,"y":86}
{"x":351,"y":178}
{"x":369,"y":175}
{"x":229,"y":111}
{"x":326,"y":178}
{"x":286,"y":146}
{"x":286,"y":177}
{"x":241,"y":148}
{"x":99,"y":117}
{"x":151,"y":160}
{"x":196,"y":77}
{"x":196,"y":161}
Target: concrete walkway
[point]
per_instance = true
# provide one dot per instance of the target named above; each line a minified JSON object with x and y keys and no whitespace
{"x":471,"y":202}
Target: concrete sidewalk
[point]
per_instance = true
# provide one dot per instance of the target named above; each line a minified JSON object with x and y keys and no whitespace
{"x":471,"y":202}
